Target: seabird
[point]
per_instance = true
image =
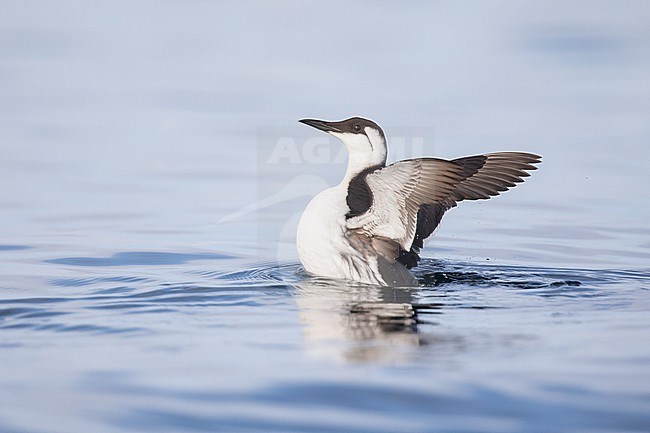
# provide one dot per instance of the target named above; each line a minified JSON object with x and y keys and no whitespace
{"x":370,"y":228}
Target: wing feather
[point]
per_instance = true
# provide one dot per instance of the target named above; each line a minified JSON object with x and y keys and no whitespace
{"x":498,"y":172}
{"x":399,"y":191}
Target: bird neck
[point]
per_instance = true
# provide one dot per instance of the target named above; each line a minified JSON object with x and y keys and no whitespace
{"x":360,"y":161}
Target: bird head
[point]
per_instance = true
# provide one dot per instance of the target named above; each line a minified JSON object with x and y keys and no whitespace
{"x":363,"y":138}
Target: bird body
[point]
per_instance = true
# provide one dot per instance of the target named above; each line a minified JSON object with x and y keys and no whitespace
{"x":370,"y":228}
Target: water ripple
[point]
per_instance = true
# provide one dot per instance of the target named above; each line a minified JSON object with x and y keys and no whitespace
{"x":98,"y":302}
{"x":138,"y":258}
{"x":77,"y":282}
{"x":13,"y":247}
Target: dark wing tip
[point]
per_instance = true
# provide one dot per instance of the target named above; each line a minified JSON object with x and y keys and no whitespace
{"x":500,"y":172}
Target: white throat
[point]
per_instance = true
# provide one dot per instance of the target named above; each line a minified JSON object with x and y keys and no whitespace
{"x":364,"y":150}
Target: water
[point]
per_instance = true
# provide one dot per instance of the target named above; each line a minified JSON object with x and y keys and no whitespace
{"x":152,"y":173}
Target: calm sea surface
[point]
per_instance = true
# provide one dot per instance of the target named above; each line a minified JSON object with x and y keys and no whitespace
{"x":152,"y":173}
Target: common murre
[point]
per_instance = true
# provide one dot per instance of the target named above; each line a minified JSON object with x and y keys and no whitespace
{"x":370,"y":227}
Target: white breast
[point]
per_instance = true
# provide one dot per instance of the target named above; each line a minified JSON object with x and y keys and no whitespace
{"x":322,"y":244}
{"x":321,"y":230}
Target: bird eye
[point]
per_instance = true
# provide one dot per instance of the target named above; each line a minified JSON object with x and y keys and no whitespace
{"x":356,"y":128}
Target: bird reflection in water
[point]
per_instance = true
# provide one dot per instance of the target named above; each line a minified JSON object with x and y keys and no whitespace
{"x":355,"y":322}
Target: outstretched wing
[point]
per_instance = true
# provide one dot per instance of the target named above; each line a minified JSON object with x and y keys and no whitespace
{"x":486,"y":176}
{"x":410,"y":197}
